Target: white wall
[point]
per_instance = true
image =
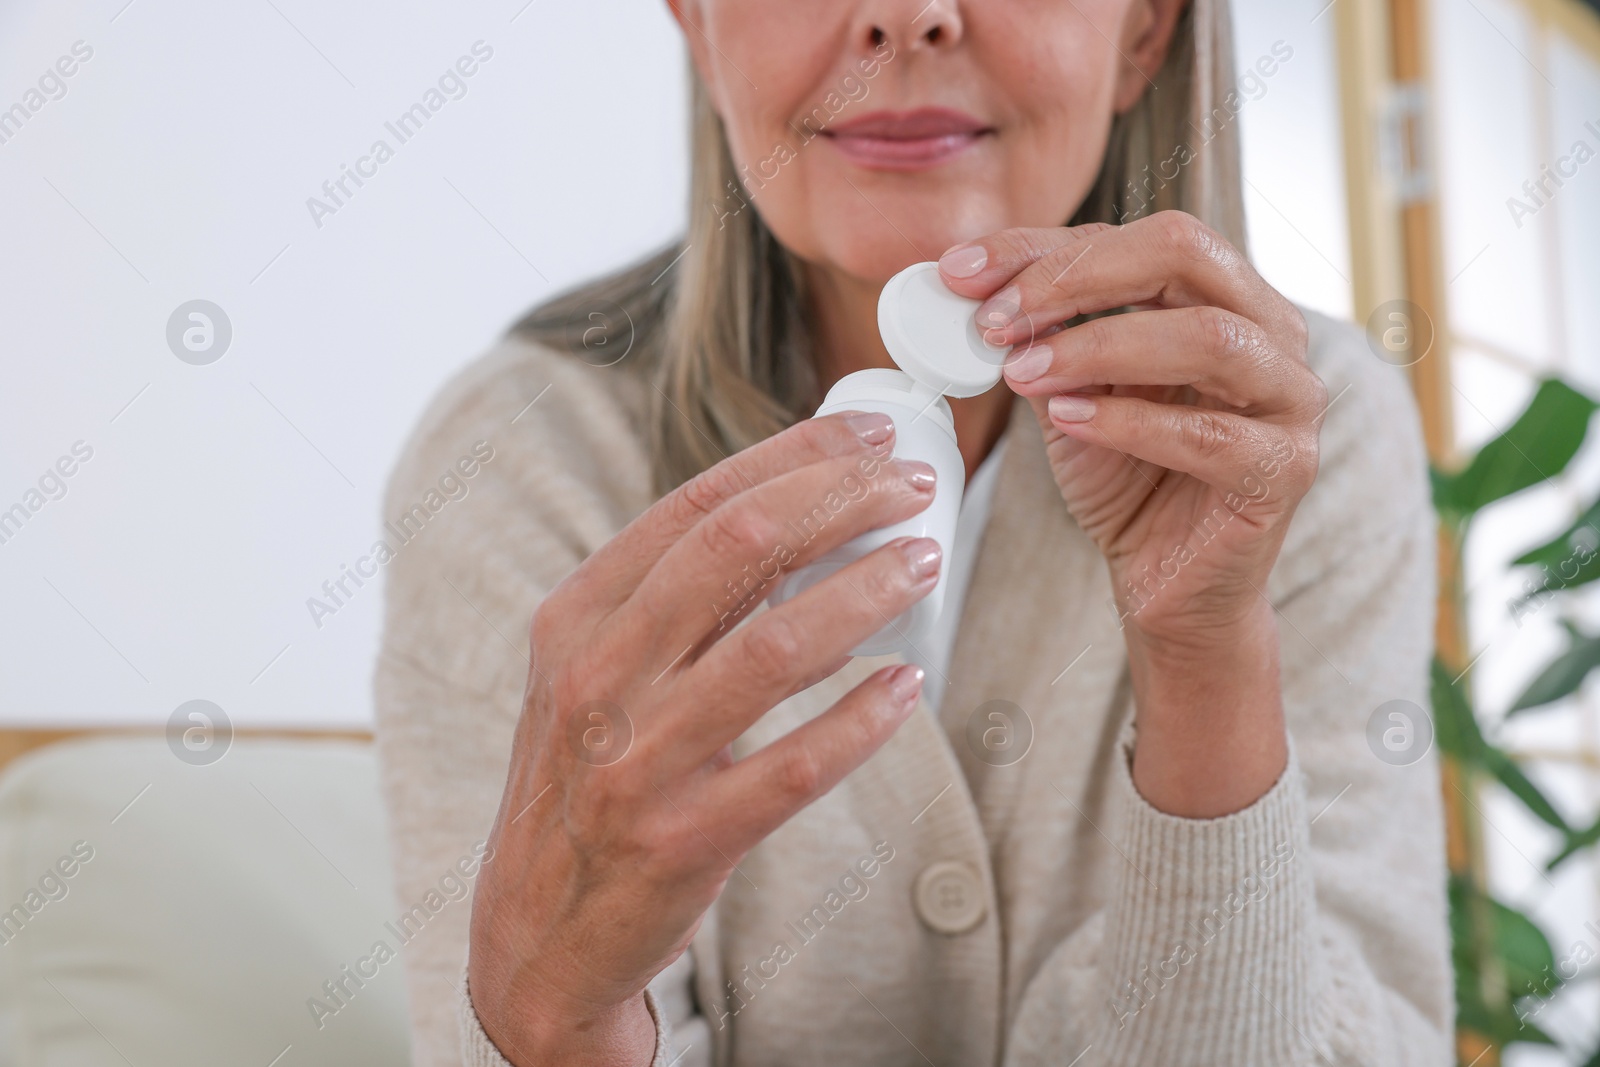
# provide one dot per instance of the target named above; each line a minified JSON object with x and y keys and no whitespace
{"x":177,"y":166}
{"x":1293,"y":156}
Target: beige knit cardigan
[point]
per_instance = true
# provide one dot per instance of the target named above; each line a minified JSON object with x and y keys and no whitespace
{"x":1308,"y":928}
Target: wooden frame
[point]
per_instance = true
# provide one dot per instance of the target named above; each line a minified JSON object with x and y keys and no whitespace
{"x":19,"y":742}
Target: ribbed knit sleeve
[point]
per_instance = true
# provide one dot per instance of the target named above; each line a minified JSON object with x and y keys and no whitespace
{"x":1212,"y":915}
{"x":478,"y":1051}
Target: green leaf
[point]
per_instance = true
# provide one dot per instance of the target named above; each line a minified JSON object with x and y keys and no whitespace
{"x":1443,"y":486}
{"x":1586,"y":528}
{"x":1529,"y":1034}
{"x":1507,"y":773}
{"x":1564,"y":674}
{"x":1576,"y":841}
{"x":1569,"y":561}
{"x":1581,"y":569}
{"x":1529,"y":961}
{"x":1538,"y":446}
{"x":1524,"y":954}
{"x":1458,"y":734}
{"x":1454,"y":725}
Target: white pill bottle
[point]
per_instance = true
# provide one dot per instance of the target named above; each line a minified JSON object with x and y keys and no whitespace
{"x":933,"y":337}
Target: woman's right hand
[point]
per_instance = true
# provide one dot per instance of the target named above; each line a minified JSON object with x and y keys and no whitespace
{"x":602,"y":871}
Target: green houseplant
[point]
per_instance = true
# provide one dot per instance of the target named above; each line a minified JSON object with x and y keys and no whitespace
{"x":1506,"y":969}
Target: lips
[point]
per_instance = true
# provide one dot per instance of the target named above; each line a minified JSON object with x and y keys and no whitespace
{"x":907,"y":140}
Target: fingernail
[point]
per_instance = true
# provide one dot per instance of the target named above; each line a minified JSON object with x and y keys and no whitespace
{"x":1028,"y":363}
{"x":1071,"y":408}
{"x":873,"y":427}
{"x":1001,"y":309}
{"x":923,"y":555}
{"x":906,"y":683}
{"x":963,"y":261}
{"x":919,"y":474}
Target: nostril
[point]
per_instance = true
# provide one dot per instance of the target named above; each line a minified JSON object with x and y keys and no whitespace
{"x":934,"y":34}
{"x":878,"y":36}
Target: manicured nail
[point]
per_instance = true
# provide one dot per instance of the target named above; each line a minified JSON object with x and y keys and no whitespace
{"x":923,"y":555}
{"x":1026,"y":364}
{"x":1001,"y":309}
{"x":963,"y":261}
{"x":906,"y":683}
{"x":1071,"y":408}
{"x":918,"y":474}
{"x":873,"y":427}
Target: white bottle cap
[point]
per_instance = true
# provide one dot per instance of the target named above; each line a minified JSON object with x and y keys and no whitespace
{"x":875,"y":387}
{"x":931,"y":334}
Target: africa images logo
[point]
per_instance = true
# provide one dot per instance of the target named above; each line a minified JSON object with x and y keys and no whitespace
{"x":452,"y":486}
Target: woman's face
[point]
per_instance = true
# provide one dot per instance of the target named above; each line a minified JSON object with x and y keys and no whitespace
{"x":875,"y":133}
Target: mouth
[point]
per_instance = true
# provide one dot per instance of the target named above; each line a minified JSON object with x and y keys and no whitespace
{"x":907,"y":140}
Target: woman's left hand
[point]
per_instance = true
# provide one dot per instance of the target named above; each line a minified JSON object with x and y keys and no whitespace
{"x":1183,"y":434}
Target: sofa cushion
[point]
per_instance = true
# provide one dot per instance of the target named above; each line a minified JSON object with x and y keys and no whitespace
{"x":157,"y":912}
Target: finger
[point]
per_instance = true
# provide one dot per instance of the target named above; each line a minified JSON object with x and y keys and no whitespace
{"x":759,"y":793}
{"x":976,"y":269}
{"x":1254,"y":459}
{"x":725,"y":565}
{"x":1166,"y":260}
{"x":776,"y":655}
{"x":1218,"y":353}
{"x":610,"y":575}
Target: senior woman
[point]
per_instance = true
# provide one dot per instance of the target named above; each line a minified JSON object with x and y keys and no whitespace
{"x":1122,"y":808}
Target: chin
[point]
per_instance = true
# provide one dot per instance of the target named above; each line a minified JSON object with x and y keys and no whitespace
{"x":875,"y":233}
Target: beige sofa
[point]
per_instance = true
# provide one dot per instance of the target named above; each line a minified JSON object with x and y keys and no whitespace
{"x":157,"y":912}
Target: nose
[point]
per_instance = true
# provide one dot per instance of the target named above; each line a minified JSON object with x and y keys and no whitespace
{"x":912,"y":24}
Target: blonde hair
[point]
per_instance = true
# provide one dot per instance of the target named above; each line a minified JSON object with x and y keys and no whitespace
{"x":718,"y":322}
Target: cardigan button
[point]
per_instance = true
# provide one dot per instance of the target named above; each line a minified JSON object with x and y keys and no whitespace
{"x":948,"y":897}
